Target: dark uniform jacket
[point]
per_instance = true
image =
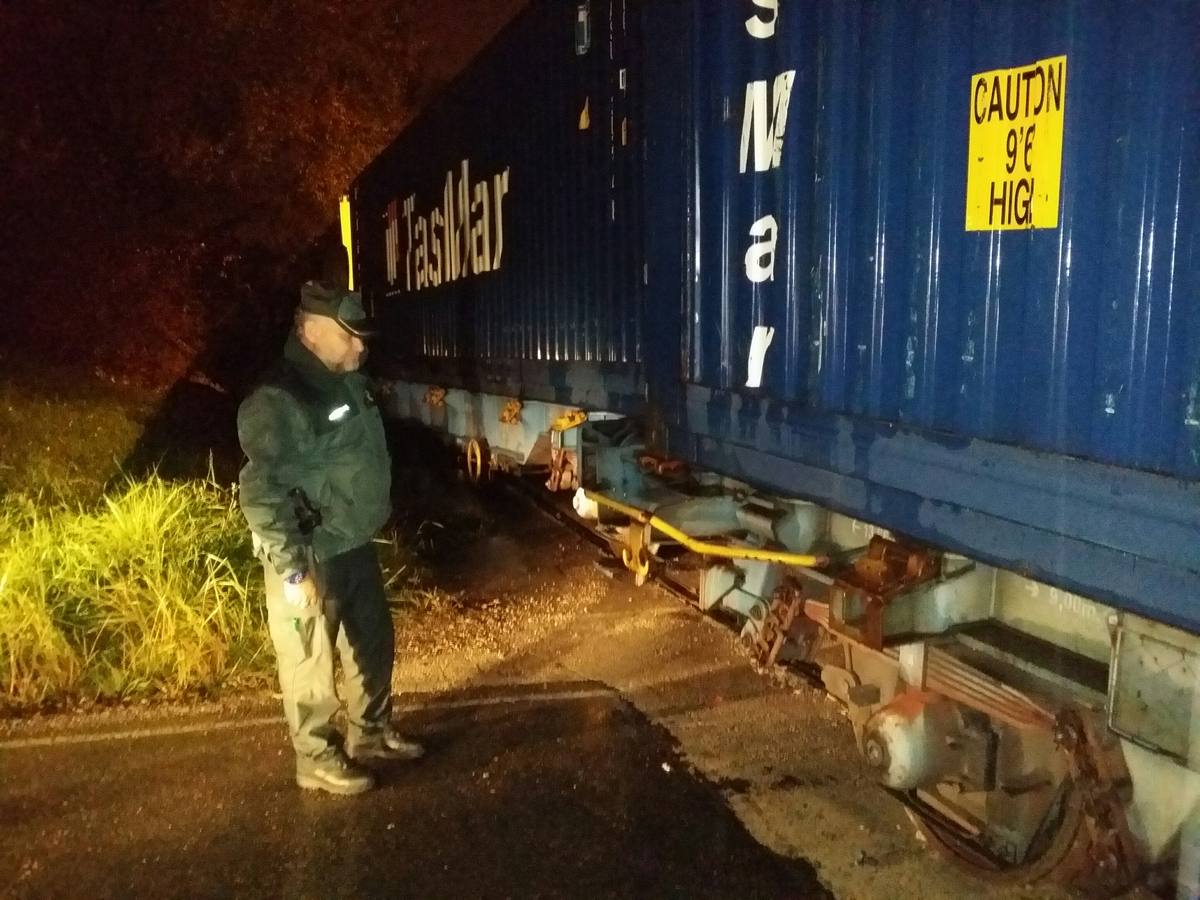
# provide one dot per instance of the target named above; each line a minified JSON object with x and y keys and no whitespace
{"x":309,"y":428}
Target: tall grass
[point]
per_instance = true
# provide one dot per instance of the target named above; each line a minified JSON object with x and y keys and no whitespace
{"x":152,"y":591}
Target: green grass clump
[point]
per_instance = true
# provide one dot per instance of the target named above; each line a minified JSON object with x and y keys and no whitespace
{"x":152,"y":591}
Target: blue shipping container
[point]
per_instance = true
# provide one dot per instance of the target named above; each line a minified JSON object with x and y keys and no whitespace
{"x":1081,"y":339}
{"x":933,"y":264}
{"x":500,"y":234}
{"x":1006,"y":393}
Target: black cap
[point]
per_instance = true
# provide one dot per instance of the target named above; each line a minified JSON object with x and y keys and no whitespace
{"x":344,"y":307}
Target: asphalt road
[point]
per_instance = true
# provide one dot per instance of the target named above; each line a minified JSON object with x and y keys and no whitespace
{"x":560,"y":790}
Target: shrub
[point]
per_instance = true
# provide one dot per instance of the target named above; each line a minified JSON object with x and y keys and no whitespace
{"x":153,"y":591}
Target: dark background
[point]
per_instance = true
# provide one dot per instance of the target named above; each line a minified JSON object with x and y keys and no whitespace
{"x":173,"y":169}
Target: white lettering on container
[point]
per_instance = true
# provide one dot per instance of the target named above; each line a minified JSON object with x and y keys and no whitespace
{"x":463,"y":235}
{"x":760,"y":257}
{"x":762,"y":126}
{"x":763,"y":28}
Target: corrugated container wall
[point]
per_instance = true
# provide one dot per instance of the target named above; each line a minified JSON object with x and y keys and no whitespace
{"x":1080,"y":335}
{"x":503,"y":226}
{"x":931,"y":263}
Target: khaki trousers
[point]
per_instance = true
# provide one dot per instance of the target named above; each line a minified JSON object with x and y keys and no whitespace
{"x":352,"y":618}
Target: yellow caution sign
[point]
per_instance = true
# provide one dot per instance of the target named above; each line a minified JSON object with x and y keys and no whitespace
{"x":1014,"y":162}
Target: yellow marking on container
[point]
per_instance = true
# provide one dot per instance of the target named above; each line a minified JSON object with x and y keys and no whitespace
{"x":347,"y":239}
{"x":1014,"y":152}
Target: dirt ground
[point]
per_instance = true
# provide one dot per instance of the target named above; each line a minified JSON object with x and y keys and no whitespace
{"x":531,"y":601}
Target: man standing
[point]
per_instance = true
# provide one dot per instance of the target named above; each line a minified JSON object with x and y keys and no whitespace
{"x":315,"y":490}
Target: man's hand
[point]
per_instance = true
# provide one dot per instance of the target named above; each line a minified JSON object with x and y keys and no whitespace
{"x":301,"y":595}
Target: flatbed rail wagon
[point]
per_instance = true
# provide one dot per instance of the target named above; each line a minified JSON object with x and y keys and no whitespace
{"x":886,"y":316}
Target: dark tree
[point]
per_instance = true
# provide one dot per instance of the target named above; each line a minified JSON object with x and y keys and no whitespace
{"x":171,"y":163}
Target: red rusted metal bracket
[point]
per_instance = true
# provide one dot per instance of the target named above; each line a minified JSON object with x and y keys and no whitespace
{"x":861,"y":592}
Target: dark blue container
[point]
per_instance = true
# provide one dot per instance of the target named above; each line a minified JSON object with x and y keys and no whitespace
{"x":1029,"y":396}
{"x":1082,"y":339}
{"x":1024,"y":396}
{"x":526,"y":276}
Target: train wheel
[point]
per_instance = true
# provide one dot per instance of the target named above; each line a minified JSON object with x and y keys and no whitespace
{"x":1061,"y":851}
{"x":478,"y":460}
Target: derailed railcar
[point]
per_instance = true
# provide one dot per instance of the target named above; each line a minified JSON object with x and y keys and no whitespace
{"x":888,"y":312}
